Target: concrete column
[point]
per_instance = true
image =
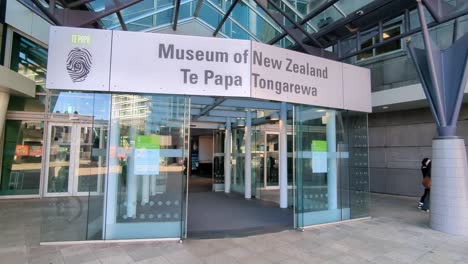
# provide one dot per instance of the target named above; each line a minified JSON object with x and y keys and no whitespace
{"x":283,"y":157}
{"x":4,"y":98}
{"x":227,"y":158}
{"x":248,"y":156}
{"x":449,"y":190}
{"x":332,"y":178}
{"x":131,"y":180}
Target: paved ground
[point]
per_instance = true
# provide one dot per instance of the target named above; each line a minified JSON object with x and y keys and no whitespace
{"x":397,"y":233}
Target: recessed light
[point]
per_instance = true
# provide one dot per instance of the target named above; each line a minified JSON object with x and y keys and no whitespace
{"x":384,"y":107}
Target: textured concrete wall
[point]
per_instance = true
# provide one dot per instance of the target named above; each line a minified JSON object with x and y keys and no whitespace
{"x":398,"y":141}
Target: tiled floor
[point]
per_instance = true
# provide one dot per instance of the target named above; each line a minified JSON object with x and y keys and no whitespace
{"x":397,"y":233}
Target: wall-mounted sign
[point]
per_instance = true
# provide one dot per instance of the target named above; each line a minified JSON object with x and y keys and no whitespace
{"x":147,"y":155}
{"x":319,"y":156}
{"x":134,"y":62}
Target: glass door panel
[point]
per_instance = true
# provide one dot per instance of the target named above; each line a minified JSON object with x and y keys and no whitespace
{"x":218,"y":161}
{"x":146,"y":185}
{"x":272,"y":160}
{"x":58,"y":160}
{"x":86,"y":175}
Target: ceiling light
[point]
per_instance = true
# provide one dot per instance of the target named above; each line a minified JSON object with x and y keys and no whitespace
{"x":241,"y":123}
{"x":385,"y":107}
{"x":385,"y":35}
{"x":222,"y":127}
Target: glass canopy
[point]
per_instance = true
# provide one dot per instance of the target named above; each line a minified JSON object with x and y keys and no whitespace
{"x":246,"y":21}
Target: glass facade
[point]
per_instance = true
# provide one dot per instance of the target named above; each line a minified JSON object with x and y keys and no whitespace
{"x":331,"y":165}
{"x":22,"y":157}
{"x":112,"y":166}
{"x":146,"y":182}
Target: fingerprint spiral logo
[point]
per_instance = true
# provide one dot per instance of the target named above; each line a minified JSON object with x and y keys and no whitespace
{"x":79,"y":64}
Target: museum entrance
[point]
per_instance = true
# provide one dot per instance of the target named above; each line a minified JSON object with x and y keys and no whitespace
{"x":246,"y":204}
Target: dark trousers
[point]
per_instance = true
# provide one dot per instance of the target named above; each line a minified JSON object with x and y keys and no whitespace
{"x":426,"y":198}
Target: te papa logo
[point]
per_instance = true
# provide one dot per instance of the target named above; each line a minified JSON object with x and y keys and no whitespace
{"x":79,"y":64}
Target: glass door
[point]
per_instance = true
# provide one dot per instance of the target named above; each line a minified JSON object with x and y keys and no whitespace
{"x":271,"y":160}
{"x":88,"y":174}
{"x":59,"y":157}
{"x":73,"y":167}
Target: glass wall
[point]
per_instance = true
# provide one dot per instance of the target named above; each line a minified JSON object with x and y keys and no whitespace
{"x":238,"y":160}
{"x":218,"y":160}
{"x":22,"y":157}
{"x":75,"y":166}
{"x":331,"y":165}
{"x":146,"y":182}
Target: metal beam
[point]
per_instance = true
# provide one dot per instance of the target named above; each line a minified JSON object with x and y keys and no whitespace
{"x":197,"y":8}
{"x":208,"y":108}
{"x":225,"y":17}
{"x":295,"y":37}
{"x":121,"y":21}
{"x":308,"y":17}
{"x":252,"y":103}
{"x":176,"y":14}
{"x":77,"y":3}
{"x":296,"y":25}
{"x":46,"y":12}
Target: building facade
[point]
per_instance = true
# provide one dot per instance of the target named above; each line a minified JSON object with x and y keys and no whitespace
{"x":71,"y":148}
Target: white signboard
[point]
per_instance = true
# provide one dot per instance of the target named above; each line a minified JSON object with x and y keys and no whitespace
{"x":134,"y":62}
{"x":286,"y":75}
{"x":173,"y":64}
{"x":79,"y":59}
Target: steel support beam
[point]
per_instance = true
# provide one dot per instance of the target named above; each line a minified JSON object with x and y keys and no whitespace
{"x":121,"y":21}
{"x":225,"y":17}
{"x":197,"y":8}
{"x":308,"y":17}
{"x":296,"y":25}
{"x":77,"y":3}
{"x":308,"y":49}
{"x":208,"y":108}
{"x":176,"y":14}
{"x":46,"y":12}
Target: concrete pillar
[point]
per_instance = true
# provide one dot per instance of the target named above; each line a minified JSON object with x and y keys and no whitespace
{"x":332,"y":178}
{"x":449,"y":190}
{"x":4,"y":98}
{"x":283,"y":157}
{"x":131,"y":180}
{"x":248,"y":156}
{"x":227,"y":158}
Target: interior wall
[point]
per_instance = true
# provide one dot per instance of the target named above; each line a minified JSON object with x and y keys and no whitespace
{"x":398,"y":141}
{"x":205,"y":149}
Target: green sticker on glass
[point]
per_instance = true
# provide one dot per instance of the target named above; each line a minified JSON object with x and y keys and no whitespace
{"x":147,"y":142}
{"x":319,"y":146}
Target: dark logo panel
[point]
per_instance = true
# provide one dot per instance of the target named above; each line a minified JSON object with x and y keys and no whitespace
{"x":79,"y":64}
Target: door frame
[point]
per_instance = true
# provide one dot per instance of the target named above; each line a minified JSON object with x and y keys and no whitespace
{"x":46,"y":193}
{"x":74,"y":159}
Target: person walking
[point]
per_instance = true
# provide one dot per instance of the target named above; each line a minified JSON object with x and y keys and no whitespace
{"x":426,"y":182}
